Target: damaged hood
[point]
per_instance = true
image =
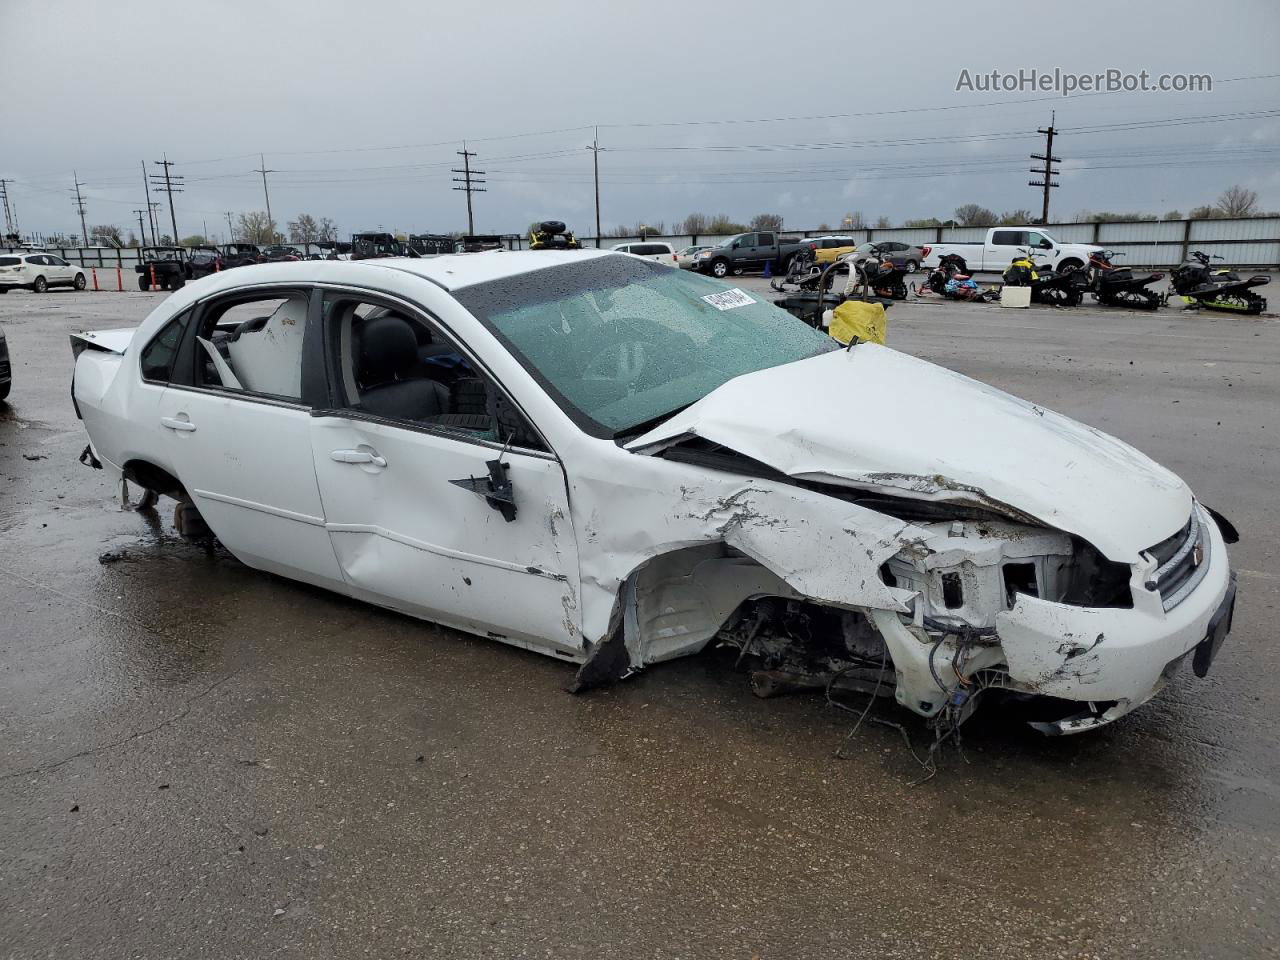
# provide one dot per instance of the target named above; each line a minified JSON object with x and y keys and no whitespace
{"x":877,"y":419}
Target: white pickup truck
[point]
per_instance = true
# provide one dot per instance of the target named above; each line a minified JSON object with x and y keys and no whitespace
{"x":1004,"y":243}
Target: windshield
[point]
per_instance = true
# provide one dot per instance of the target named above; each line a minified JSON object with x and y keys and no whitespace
{"x":865,"y":247}
{"x":620,"y":343}
{"x":160,"y":253}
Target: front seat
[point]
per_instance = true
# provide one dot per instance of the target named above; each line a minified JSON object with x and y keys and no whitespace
{"x":388,"y":361}
{"x":266,"y":353}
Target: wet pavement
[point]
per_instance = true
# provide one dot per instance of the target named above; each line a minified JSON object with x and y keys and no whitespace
{"x":200,"y":760}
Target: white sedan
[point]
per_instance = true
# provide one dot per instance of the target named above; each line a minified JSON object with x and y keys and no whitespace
{"x":615,"y":463}
{"x":38,"y":272}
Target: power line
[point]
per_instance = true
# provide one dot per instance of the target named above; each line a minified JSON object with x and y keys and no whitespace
{"x":170,"y":189}
{"x":1048,"y":173}
{"x":265,"y":195}
{"x":84,"y":231}
{"x":469,"y":178}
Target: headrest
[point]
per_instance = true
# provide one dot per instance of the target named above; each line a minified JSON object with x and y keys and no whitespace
{"x":388,"y":350}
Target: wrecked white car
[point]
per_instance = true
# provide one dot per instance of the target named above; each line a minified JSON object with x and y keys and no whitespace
{"x":616,"y":464}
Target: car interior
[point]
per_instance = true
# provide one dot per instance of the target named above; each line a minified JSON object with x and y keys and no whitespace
{"x":395,"y":366}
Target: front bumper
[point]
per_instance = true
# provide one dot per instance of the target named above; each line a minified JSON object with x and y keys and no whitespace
{"x":1121,"y":657}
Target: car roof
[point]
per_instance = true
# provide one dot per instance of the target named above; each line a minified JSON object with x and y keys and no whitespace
{"x":452,"y":271}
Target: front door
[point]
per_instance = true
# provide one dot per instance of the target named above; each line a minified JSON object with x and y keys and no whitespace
{"x":438,"y":504}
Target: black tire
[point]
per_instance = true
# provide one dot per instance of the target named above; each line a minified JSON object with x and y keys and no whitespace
{"x":79,"y":282}
{"x":178,"y":283}
{"x":1068,"y":266}
{"x":4,"y":289}
{"x":4,"y":388}
{"x":143,"y":283}
{"x":738,"y":271}
{"x":720,"y":268}
{"x":41,"y":285}
{"x":912,"y":266}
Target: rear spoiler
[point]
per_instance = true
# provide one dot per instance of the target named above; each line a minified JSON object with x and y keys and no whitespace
{"x":108,"y":341}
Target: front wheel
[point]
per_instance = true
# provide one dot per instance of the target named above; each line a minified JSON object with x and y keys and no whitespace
{"x":79,"y":284}
{"x":143,"y":283}
{"x":720,"y":269}
{"x":41,"y":285}
{"x":1069,"y":266}
{"x":178,"y":283}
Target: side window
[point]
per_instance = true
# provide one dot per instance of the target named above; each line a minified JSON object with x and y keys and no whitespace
{"x":747,"y":240}
{"x":397,"y":365}
{"x":157,"y":357}
{"x":1007,"y":238}
{"x":765,"y":240}
{"x":1037,"y":239}
{"x":253,"y":345}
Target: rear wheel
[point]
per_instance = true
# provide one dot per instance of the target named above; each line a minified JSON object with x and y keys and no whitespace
{"x":912,"y":266}
{"x":143,"y":282}
{"x":1067,"y":266}
{"x":178,"y":283}
{"x":41,"y":285}
{"x":79,"y":284}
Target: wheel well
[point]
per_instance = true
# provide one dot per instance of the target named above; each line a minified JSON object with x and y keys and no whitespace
{"x":1070,"y":263}
{"x":150,"y":477}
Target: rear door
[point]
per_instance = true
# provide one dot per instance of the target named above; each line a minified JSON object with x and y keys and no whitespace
{"x":766,"y":248}
{"x":440,"y":500}
{"x":1001,"y":248}
{"x":237,"y":421}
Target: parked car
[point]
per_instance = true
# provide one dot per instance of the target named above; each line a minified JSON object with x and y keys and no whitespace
{"x":38,"y":272}
{"x":430,"y":244}
{"x":905,"y":257}
{"x":1003,"y":244}
{"x":240,"y":255}
{"x":684,"y":256}
{"x":825,"y":250}
{"x":6,"y":367}
{"x":278,"y":253}
{"x":202,"y":261}
{"x":747,"y":251}
{"x":656,"y":250}
{"x":374,"y":245}
{"x":162,"y":267}
{"x":614,"y":463}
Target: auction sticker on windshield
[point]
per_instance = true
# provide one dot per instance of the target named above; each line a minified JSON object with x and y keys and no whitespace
{"x":728,"y":299}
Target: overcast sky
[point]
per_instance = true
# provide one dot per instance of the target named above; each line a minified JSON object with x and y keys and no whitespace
{"x":358,"y":107}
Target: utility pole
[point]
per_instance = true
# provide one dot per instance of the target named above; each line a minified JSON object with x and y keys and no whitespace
{"x":170,"y":189}
{"x":468,"y":178}
{"x":154,"y":206}
{"x":151,"y":207}
{"x":10,"y":226}
{"x":84,"y":231}
{"x":595,"y":149}
{"x":231,"y":231}
{"x":266,"y":196}
{"x":142,"y":234}
{"x":1047,"y":171}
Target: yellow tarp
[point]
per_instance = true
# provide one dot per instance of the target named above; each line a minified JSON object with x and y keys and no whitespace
{"x":854,"y":318}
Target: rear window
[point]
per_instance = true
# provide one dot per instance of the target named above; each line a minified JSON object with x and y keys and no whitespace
{"x":10,"y":261}
{"x":650,"y":249}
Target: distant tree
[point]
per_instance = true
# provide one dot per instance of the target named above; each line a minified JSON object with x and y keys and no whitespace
{"x":882,"y":223}
{"x":824,"y":227}
{"x":721,"y":224}
{"x":195,"y":240}
{"x":973,"y":215}
{"x":853,"y":220}
{"x":1172,"y":215}
{"x":1204,"y":213}
{"x":1111,"y":216}
{"x":766,"y":221}
{"x":327,"y":229}
{"x":1013,"y":218}
{"x":257,"y":227}
{"x":1237,"y":201}
{"x":106,"y":234}
{"x":133,"y":240}
{"x":165,"y":240}
{"x":695,"y":223}
{"x":926,"y":222}
{"x":304,"y":229}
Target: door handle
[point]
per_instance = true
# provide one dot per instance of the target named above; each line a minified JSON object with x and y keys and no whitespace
{"x":175,"y":423}
{"x":358,"y":456}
